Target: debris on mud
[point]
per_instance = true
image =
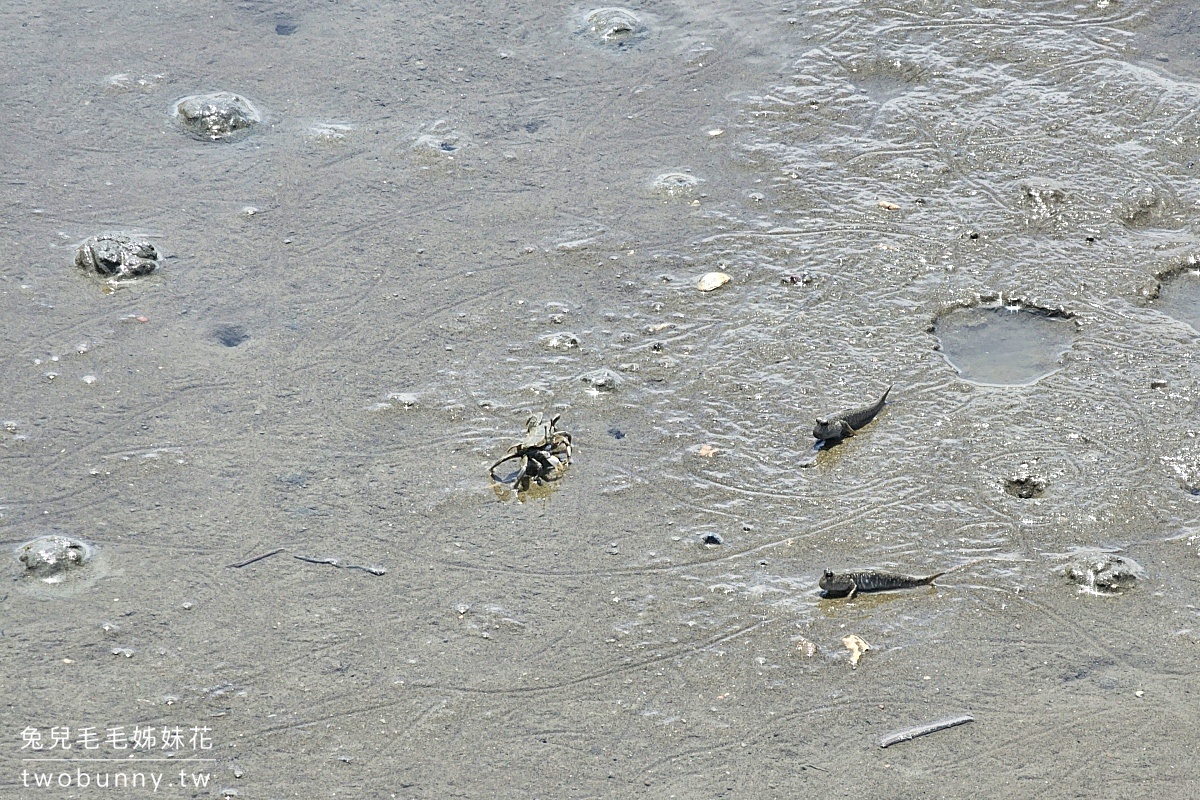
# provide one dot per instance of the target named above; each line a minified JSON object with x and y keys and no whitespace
{"x":333,"y":562}
{"x":562,"y":340}
{"x":1101,"y":572}
{"x":117,"y":256}
{"x":857,"y":647}
{"x":1025,"y":484}
{"x":805,"y":647}
{"x":220,"y":116}
{"x":51,"y":558}
{"x":924,"y":729}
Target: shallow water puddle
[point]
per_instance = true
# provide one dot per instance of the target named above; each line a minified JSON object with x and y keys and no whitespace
{"x":1006,"y":345}
{"x":1179,"y":297}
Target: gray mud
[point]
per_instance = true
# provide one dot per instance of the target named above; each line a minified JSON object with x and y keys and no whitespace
{"x":1004,"y":345}
{"x":353,"y":319}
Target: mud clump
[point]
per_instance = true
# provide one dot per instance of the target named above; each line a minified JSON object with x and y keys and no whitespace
{"x":1025,"y":484}
{"x":885,"y":79}
{"x":1045,"y":200}
{"x":1147,"y":207}
{"x":1101,"y":573}
{"x":676,"y":184}
{"x":220,"y":116}
{"x":440,"y":140}
{"x":229,"y":335}
{"x":1186,"y":466}
{"x":51,"y":558}
{"x":117,"y":255}
{"x":601,"y":380}
{"x":560,"y":341}
{"x":614,"y":27}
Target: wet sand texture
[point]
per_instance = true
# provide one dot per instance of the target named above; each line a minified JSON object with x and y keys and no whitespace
{"x":449,"y":218}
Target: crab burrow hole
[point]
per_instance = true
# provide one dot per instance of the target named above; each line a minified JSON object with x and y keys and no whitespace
{"x":1001,"y":343}
{"x":1178,"y":295}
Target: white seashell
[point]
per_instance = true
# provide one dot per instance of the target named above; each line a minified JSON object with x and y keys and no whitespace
{"x":712,"y":280}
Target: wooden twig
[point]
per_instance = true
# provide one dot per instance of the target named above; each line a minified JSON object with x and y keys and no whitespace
{"x":250,"y":561}
{"x":924,"y":728}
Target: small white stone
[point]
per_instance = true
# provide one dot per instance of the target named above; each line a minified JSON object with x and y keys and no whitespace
{"x":712,"y":280}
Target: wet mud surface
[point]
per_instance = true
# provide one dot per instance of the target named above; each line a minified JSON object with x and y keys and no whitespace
{"x":448,"y":221}
{"x":1004,"y":345}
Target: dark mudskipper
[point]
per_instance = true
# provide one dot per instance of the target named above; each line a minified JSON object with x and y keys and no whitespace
{"x":847,"y":423}
{"x":848,"y":584}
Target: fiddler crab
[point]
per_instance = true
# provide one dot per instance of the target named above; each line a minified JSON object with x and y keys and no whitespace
{"x":542,"y":456}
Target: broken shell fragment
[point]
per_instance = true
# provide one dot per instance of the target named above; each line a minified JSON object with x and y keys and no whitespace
{"x":712,"y":280}
{"x":857,"y":646}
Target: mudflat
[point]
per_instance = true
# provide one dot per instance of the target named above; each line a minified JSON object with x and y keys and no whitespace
{"x":245,"y":495}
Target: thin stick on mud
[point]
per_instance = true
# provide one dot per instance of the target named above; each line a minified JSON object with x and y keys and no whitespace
{"x":330,"y":561}
{"x":333,"y":562}
{"x":924,"y":728}
{"x":250,"y":561}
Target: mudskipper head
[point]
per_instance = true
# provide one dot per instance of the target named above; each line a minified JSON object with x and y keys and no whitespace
{"x":831,"y":582}
{"x":833,"y":585}
{"x":827,"y":429}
